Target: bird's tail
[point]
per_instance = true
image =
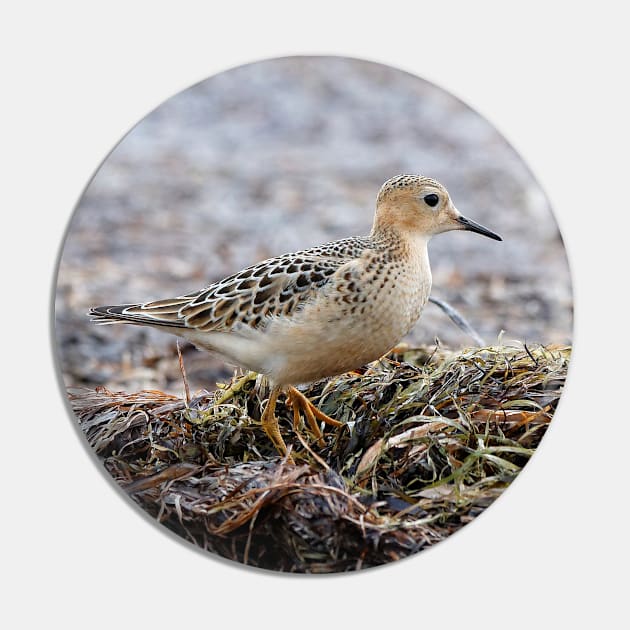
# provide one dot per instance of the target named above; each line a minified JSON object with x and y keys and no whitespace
{"x":160,"y":313}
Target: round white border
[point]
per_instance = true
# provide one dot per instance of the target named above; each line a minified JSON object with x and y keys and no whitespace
{"x":550,"y":78}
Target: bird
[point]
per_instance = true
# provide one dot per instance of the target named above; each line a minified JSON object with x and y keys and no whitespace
{"x":319,"y":312}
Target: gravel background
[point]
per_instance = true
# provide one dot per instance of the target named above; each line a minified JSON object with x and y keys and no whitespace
{"x":280,"y":155}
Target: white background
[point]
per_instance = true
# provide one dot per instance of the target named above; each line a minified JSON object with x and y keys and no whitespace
{"x":553,"y":550}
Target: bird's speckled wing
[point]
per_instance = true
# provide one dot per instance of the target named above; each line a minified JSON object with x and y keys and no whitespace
{"x":274,"y":287}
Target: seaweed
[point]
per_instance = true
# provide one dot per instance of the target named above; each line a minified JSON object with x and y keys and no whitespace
{"x":430,"y":439}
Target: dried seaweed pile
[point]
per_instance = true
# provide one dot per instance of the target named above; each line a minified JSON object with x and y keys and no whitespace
{"x":429,"y":441}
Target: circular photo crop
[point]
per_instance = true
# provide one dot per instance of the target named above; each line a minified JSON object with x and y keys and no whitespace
{"x":313,"y":314}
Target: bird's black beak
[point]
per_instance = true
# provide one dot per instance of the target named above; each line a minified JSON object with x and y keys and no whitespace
{"x":471,"y":226}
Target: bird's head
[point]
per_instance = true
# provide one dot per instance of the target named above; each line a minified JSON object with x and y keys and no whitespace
{"x":418,"y":205}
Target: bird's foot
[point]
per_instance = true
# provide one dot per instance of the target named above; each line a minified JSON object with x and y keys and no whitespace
{"x":300,"y":402}
{"x":269,"y":423}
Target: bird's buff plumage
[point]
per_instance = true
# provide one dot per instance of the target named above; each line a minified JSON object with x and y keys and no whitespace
{"x":321,"y":311}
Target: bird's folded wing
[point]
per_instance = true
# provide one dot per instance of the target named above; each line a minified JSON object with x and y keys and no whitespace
{"x":275,"y":287}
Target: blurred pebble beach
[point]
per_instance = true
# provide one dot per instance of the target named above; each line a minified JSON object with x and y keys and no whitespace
{"x":280,"y":155}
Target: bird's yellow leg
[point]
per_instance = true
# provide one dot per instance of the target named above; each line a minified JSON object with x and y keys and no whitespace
{"x":270,"y":423}
{"x":299,"y":401}
{"x":235,"y":388}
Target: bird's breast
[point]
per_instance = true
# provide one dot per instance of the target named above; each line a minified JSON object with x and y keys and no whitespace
{"x":369,"y":308}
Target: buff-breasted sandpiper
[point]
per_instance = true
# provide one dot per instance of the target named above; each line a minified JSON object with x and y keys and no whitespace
{"x":321,"y":311}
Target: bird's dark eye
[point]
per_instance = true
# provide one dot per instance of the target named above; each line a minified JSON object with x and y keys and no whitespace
{"x":431,"y":200}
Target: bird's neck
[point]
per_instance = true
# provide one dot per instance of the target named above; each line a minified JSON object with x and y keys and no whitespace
{"x":406,"y":245}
